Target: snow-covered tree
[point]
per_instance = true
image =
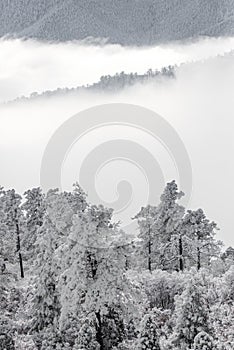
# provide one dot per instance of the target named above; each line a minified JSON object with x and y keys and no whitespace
{"x":53,"y":233}
{"x":161,"y":288}
{"x":86,"y":339}
{"x":34,"y":207}
{"x":77,"y":198}
{"x":14,"y":222}
{"x":159,"y":229}
{"x":192,"y":311}
{"x":148,"y":236}
{"x":222,"y":319}
{"x":201,"y":232}
{"x":93,"y":282}
{"x":9,"y":300}
{"x":151,"y":330}
{"x":203,"y":341}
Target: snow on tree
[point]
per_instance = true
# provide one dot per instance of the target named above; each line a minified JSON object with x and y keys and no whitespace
{"x":51,"y":236}
{"x":146,"y":221}
{"x":203,"y":341}
{"x":228,"y":257}
{"x":93,"y":287}
{"x":77,"y":198}
{"x":222,"y":316}
{"x":161,"y":288}
{"x":34,"y":207}
{"x":14,"y":221}
{"x":46,"y":305}
{"x":192,"y":311}
{"x":9,"y":300}
{"x":222,"y":319}
{"x":158,"y":227}
{"x":94,"y":281}
{"x":86,"y":339}
{"x":151,"y":330}
{"x":5,"y":238}
{"x":201,"y":232}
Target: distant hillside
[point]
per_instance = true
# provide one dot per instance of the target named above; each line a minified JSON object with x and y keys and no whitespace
{"x":127,"y":22}
{"x":109,"y":83}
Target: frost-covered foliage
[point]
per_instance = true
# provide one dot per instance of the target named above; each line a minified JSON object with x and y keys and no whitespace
{"x":88,"y":286}
{"x":9,"y":301}
{"x":151,"y":330}
{"x":34,"y":207}
{"x":192,"y":312}
{"x":204,"y":341}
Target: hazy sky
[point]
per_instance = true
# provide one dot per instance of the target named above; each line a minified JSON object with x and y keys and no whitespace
{"x":198,"y":105}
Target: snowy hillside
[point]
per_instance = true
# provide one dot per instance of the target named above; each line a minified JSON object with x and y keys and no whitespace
{"x":121,"y":21}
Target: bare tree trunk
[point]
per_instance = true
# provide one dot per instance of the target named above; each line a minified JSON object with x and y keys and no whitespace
{"x":19,"y":249}
{"x":198,"y":258}
{"x":181,"y":261}
{"x":149,"y":252}
{"x":99,"y":331}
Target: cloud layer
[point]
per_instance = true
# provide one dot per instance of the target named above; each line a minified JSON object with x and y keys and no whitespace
{"x":198,"y":104}
{"x":29,"y":66}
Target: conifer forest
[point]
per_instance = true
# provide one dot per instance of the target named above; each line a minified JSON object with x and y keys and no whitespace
{"x":72,"y":279}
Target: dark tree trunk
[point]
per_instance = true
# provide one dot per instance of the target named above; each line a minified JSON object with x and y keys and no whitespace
{"x":198,"y":258}
{"x":19,"y":250}
{"x":149,"y":257}
{"x":99,"y":336}
{"x":149,"y":251}
{"x":181,"y":260}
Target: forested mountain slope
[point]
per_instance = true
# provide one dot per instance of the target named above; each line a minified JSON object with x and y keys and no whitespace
{"x":127,"y":22}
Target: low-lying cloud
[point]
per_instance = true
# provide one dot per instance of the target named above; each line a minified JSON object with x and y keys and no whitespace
{"x":27,"y":66}
{"x":198,"y":104}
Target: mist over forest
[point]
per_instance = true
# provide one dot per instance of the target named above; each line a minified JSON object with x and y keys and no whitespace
{"x":116,"y":139}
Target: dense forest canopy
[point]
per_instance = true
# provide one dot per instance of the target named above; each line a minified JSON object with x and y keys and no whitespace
{"x":70,"y":278}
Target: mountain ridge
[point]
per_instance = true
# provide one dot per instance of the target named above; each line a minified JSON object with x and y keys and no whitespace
{"x":125,"y":22}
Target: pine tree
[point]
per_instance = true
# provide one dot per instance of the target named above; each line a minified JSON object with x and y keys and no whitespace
{"x":14,"y":223}
{"x":223,"y":323}
{"x":94,"y":277}
{"x":159,"y":227}
{"x":51,"y":236}
{"x":5,"y":239}
{"x":167,"y":226}
{"x":34,"y":207}
{"x":151,"y":330}
{"x":86,"y":339}
{"x":201,"y":232}
{"x":222,"y":311}
{"x":146,"y":221}
{"x":8,"y":306}
{"x":192,"y":311}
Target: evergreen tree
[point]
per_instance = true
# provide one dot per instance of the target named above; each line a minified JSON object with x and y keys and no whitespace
{"x":167,"y":226}
{"x":8,"y":307}
{"x":192,"y":311}
{"x":34,"y":207}
{"x":51,"y":236}
{"x":146,"y":220}
{"x":93,"y":282}
{"x":151,"y":330}
{"x":86,"y":339}
{"x":159,"y":229}
{"x":223,"y":323}
{"x":201,"y":232}
{"x":14,"y":222}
